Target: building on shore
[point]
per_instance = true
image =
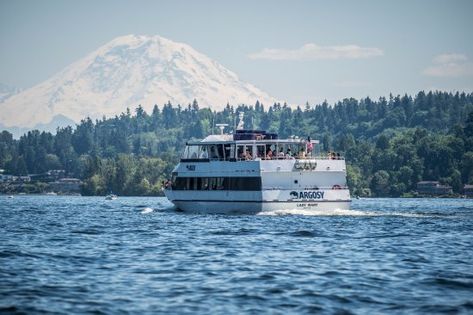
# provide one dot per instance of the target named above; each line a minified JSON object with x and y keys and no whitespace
{"x":65,"y":185}
{"x":5,"y":178}
{"x":433,"y":188}
{"x":49,"y":176}
{"x":468,"y":191}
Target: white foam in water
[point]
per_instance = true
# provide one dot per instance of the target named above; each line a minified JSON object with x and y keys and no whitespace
{"x":147,"y":210}
{"x":341,"y":212}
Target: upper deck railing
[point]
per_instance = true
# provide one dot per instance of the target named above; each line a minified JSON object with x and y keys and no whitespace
{"x":308,"y":158}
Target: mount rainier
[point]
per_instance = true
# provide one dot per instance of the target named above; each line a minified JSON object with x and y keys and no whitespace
{"x":126,"y":72}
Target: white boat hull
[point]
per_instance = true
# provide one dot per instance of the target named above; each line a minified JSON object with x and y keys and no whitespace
{"x":250,"y":207}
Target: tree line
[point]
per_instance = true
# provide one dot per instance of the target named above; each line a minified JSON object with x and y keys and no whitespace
{"x":390,"y":143}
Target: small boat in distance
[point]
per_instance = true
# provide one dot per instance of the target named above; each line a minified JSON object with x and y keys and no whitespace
{"x":253,"y":171}
{"x":111,"y":197}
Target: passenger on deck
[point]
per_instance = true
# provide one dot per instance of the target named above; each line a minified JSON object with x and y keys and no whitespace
{"x":310,"y":146}
{"x":302,"y":154}
{"x":281,"y":153}
{"x":269,"y":154}
{"x":248,"y":155}
{"x":288,"y":153}
{"x":339,"y":156}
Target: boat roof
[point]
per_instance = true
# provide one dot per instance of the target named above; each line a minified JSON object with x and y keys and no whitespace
{"x":218,"y":139}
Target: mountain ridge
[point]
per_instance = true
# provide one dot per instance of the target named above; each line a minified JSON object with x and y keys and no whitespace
{"x":128,"y":71}
{"x":7,"y":91}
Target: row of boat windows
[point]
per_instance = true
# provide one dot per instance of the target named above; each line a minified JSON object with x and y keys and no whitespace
{"x":217,"y":183}
{"x":227,"y":152}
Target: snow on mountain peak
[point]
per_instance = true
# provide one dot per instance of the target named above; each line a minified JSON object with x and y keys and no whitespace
{"x":7,"y":91}
{"x":126,"y":72}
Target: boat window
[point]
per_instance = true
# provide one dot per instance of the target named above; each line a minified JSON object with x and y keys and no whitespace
{"x":213,"y":183}
{"x":281,"y":152}
{"x":301,"y":150}
{"x":261,"y":151}
{"x":240,"y":151}
{"x":271,"y":152}
{"x":244,"y":183}
{"x":216,"y":151}
{"x":185,"y":154}
{"x":221,"y":181}
{"x":192,"y":152}
{"x":316,"y":150}
{"x":249,"y":154}
{"x":179,"y":183}
{"x":228,"y":151}
{"x":217,"y":183}
{"x":203,"y":152}
{"x":220,"y":152}
{"x":204,"y":183}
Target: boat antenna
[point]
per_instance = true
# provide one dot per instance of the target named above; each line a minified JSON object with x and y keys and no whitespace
{"x":222,"y":127}
{"x":241,"y":123}
{"x":213,"y":125}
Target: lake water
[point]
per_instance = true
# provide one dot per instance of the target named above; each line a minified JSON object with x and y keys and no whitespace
{"x":136,"y":255}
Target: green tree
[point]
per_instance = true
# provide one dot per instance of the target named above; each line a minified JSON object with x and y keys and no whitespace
{"x":380,"y":183}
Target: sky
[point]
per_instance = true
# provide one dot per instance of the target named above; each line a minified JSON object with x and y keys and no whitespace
{"x":297,"y":51}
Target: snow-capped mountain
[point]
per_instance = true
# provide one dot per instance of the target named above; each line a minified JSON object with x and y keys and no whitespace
{"x":7,"y":91}
{"x":128,"y":71}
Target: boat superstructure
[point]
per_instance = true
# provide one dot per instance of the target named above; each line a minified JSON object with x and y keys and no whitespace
{"x":253,"y":171}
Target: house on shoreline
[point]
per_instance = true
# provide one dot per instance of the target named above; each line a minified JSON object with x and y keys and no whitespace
{"x":50,"y":181}
{"x":65,"y":185}
{"x":433,"y":188}
{"x":468,"y":191}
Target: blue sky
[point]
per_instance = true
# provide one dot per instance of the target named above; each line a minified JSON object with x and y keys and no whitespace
{"x":295,"y":50}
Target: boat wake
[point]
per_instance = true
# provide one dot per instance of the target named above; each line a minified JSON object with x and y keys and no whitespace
{"x":336,"y":212}
{"x":343,"y":212}
{"x":147,"y":210}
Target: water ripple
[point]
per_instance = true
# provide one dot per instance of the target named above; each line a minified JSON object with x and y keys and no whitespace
{"x":138,"y":255}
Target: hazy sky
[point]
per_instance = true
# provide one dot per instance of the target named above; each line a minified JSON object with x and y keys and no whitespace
{"x":295,"y":50}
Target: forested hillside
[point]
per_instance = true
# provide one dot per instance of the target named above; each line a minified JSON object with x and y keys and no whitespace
{"x":390,"y":144}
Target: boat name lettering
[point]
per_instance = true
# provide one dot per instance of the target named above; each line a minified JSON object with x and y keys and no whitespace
{"x":316,"y":194}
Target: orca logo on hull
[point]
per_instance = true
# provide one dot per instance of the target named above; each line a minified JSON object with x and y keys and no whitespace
{"x":315,"y":194}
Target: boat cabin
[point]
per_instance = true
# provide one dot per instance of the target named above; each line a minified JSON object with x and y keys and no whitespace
{"x":249,"y":145}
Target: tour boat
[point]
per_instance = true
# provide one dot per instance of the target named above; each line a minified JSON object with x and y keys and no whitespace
{"x":252,"y":171}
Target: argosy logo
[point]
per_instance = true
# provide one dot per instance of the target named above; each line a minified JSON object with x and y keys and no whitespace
{"x":316,"y":194}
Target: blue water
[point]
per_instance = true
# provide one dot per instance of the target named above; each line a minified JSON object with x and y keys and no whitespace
{"x":136,"y":255}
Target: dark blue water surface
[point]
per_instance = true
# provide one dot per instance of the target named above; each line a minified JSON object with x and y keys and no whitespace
{"x":136,"y":255}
